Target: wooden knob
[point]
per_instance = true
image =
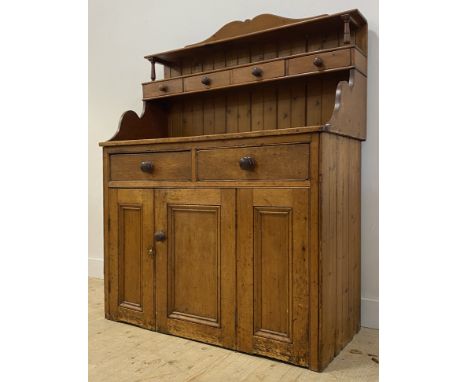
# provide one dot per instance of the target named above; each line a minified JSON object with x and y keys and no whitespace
{"x":247,"y":163}
{"x":160,"y":236}
{"x":257,"y":72}
{"x":318,"y":62}
{"x":163,"y":88}
{"x":206,"y":80}
{"x":147,"y":167}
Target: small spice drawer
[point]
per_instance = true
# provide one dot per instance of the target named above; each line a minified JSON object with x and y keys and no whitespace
{"x":175,"y":165}
{"x":258,"y":72}
{"x":284,"y":161}
{"x":161,"y":88}
{"x":321,"y":61}
{"x":207,"y":81}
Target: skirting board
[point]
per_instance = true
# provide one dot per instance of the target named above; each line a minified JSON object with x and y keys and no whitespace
{"x":369,"y":313}
{"x":369,"y":307}
{"x":95,"y":268}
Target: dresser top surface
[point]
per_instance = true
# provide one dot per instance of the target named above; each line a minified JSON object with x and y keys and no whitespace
{"x":261,"y":26}
{"x":217,"y":137}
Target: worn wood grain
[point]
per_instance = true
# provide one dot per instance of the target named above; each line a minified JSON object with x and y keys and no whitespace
{"x":327,"y":248}
{"x":131,"y":265}
{"x":314,"y":256}
{"x":166,"y":166}
{"x":273,"y":273}
{"x":196,"y":280}
{"x":261,"y":254}
{"x":340,"y":243}
{"x":330,"y":60}
{"x":350,"y":112}
{"x":269,"y":70}
{"x":271,"y":162}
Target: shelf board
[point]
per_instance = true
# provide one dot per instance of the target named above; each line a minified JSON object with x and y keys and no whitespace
{"x":214,"y":137}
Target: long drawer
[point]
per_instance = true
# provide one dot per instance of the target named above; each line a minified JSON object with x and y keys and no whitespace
{"x":282,"y":162}
{"x":176,"y":165}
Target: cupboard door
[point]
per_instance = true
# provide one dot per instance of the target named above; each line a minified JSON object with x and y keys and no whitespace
{"x":131,"y":257}
{"x":272,"y":273}
{"x":195,"y":263}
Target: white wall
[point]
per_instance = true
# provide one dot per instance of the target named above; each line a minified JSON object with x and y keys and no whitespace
{"x":121,"y":32}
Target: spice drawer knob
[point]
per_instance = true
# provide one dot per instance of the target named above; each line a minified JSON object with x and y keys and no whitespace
{"x":147,"y":167}
{"x":247,"y":163}
{"x":160,"y":236}
{"x":257,"y":72}
{"x":163,"y":88}
{"x":318,"y":62}
{"x":206,"y":80}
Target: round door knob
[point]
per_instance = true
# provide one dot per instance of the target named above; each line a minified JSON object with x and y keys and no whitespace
{"x":147,"y":167}
{"x":160,"y":236}
{"x":257,"y":72}
{"x":247,"y":163}
{"x":206,"y":80}
{"x":163,"y":88}
{"x":318,"y":62}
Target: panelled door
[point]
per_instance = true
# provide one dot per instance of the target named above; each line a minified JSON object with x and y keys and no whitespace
{"x":195,"y":263}
{"x":131,"y":256}
{"x":272,"y":274}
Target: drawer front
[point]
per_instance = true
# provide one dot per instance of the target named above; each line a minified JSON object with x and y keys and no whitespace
{"x":258,"y":72}
{"x":318,"y":62}
{"x":288,"y":162}
{"x":206,"y":81}
{"x":162,"y":88}
{"x":151,"y":166}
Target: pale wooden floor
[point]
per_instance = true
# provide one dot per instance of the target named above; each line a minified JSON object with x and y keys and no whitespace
{"x":120,"y":352}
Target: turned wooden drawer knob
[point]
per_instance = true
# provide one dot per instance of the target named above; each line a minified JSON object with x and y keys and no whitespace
{"x":163,"y":88}
{"x":206,"y":80}
{"x":147,"y":167}
{"x":247,"y":163}
{"x":160,"y":236}
{"x":318,"y":62}
{"x":257,"y":72}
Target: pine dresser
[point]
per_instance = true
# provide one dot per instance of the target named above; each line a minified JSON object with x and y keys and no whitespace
{"x":232,"y":204}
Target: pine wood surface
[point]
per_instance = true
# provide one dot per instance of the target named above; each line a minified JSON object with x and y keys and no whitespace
{"x":131,"y":268}
{"x":255,"y":31}
{"x":294,"y":65}
{"x":232,"y":204}
{"x":275,"y":162}
{"x":227,"y":139}
{"x":273,"y":273}
{"x":126,"y":353}
{"x":175,"y":165}
{"x":340,"y":233}
{"x":195,"y":285}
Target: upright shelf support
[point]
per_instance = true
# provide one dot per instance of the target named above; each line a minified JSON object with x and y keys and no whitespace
{"x":153,"y":69}
{"x":347,"y":33}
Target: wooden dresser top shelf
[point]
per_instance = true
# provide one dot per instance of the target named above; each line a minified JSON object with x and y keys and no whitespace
{"x":260,"y":27}
{"x":341,"y":58}
{"x":260,"y":62}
